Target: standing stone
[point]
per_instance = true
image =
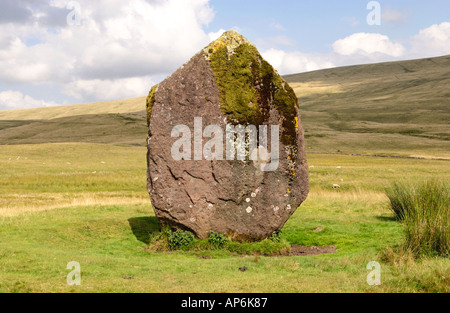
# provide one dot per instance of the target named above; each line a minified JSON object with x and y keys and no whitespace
{"x":226,"y":84}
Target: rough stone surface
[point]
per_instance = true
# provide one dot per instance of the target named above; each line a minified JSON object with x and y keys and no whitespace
{"x":228,"y":82}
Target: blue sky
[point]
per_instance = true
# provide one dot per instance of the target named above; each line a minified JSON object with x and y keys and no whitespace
{"x":315,"y":24}
{"x":55,"y":52}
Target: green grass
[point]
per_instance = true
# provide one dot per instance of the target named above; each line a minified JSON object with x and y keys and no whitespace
{"x":425,"y":210}
{"x":40,"y":177}
{"x":110,"y":237}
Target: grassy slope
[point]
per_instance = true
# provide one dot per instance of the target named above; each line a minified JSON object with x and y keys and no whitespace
{"x":110,"y":107}
{"x":117,"y":122}
{"x":394,"y":108}
{"x":125,"y":128}
{"x":399,"y":108}
{"x":107,"y":228}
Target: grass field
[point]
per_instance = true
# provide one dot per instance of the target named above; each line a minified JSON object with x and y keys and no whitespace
{"x":73,"y":188}
{"x":88,"y":203}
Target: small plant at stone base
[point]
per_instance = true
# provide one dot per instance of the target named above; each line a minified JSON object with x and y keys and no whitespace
{"x":166,"y":240}
{"x":160,"y":241}
{"x":217,"y":240}
{"x":276,"y":236}
{"x":180,"y":240}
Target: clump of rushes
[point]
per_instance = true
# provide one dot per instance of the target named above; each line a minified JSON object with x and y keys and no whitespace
{"x":424,"y":208}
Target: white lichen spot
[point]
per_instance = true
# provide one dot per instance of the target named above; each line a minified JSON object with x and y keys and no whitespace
{"x":253,"y":195}
{"x":210,"y":205}
{"x":192,"y":219}
{"x":247,"y":200}
{"x":249,"y":210}
{"x":286,"y":195}
{"x":288,"y":207}
{"x":156,"y":179}
{"x":276,"y":209}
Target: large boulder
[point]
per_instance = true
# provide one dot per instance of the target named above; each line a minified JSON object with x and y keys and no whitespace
{"x":204,"y":177}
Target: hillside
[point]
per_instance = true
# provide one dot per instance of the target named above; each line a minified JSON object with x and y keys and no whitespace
{"x":109,"y":107}
{"x":399,"y":108}
{"x":116,"y":122}
{"x":394,"y":108}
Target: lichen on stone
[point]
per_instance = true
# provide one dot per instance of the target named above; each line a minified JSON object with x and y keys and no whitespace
{"x":249,"y":86}
{"x":151,"y":102}
{"x":229,"y":40}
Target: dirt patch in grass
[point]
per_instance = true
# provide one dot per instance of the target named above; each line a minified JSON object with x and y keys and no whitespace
{"x":296,"y":250}
{"x":308,"y":251}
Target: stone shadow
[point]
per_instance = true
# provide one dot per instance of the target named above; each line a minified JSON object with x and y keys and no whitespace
{"x":144,"y":227}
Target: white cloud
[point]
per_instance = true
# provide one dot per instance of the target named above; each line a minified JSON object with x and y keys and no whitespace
{"x":16,"y":100}
{"x":123,"y":41}
{"x":295,"y":62}
{"x":122,"y":47}
{"x":98,"y":89}
{"x":367,"y":44}
{"x":31,"y":64}
{"x":432,"y":41}
{"x":215,"y":35}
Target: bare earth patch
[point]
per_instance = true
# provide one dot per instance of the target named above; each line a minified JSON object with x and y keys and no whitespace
{"x":296,"y":250}
{"x":309,"y":251}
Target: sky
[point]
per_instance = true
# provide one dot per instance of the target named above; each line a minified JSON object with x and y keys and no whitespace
{"x":58,"y":52}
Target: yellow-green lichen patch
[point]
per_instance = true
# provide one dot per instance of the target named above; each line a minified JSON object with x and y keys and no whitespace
{"x":248,"y":86}
{"x":235,"y":80}
{"x":285,"y":101}
{"x":229,"y":40}
{"x":151,"y":102}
